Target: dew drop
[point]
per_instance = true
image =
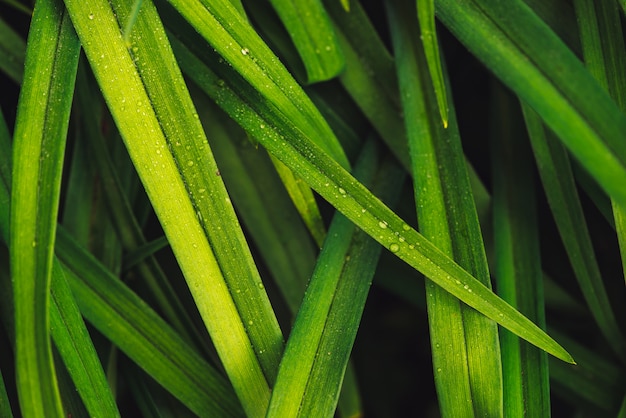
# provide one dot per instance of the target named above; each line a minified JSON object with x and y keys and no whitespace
{"x":189,"y":163}
{"x":342,"y":191}
{"x":245,"y":51}
{"x":260,"y":285}
{"x":394,"y":248}
{"x":406,"y":227}
{"x":250,"y":322}
{"x":91,"y":16}
{"x":382,"y":224}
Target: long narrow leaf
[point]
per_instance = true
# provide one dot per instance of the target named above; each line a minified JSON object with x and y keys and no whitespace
{"x":556,"y":176}
{"x":165,"y":140}
{"x":313,"y":35}
{"x":517,"y":259}
{"x":464,"y":344}
{"x":354,"y":200}
{"x":129,"y":323}
{"x":39,"y":144}
{"x":527,"y":56}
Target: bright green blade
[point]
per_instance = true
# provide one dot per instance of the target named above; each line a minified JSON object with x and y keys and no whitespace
{"x":558,"y":182}
{"x":317,"y":352}
{"x":126,"y":226}
{"x":465,"y":346}
{"x":264,"y":207}
{"x":517,"y":258}
{"x":137,"y":330}
{"x":428,"y":34}
{"x":527,"y":56}
{"x":152,"y":109}
{"x":39,"y":144}
{"x":67,"y":327}
{"x":350,"y":197}
{"x":313,"y":35}
{"x":234,"y":39}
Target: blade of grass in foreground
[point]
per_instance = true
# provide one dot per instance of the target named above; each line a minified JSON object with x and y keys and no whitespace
{"x":236,"y":41}
{"x":528,"y":57}
{"x":39,"y":144}
{"x":152,"y":109}
{"x":67,"y":327}
{"x":317,"y":352}
{"x":350,"y":197}
{"x":137,"y":330}
{"x":465,"y":346}
{"x":313,"y":35}
{"x":517,"y":258}
{"x":556,"y":175}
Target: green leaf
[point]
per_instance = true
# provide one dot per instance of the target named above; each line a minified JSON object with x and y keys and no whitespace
{"x":528,"y":57}
{"x":350,"y":197}
{"x":159,"y":124}
{"x":137,"y":330}
{"x":317,"y":352}
{"x":72,"y":340}
{"x":39,"y":144}
{"x":558,"y":182}
{"x":235,"y":40}
{"x":312,"y":33}
{"x":426,"y":17}
{"x":517,"y":258}
{"x":464,"y":344}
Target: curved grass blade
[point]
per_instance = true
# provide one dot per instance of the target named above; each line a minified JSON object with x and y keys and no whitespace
{"x":426,"y":17}
{"x":152,"y":109}
{"x":312,"y":33}
{"x":517,"y":259}
{"x":558,"y":182}
{"x":5,"y":406}
{"x":12,"y":48}
{"x":39,"y":144}
{"x":237,"y":42}
{"x":527,"y":56}
{"x":465,"y":346}
{"x":350,"y":197}
{"x":137,"y":330}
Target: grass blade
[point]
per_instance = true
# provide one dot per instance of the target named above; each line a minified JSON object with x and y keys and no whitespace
{"x":517,"y":259}
{"x":426,"y":17}
{"x":528,"y":57}
{"x":558,"y":182}
{"x":235,"y":40}
{"x":464,"y":344}
{"x":316,"y":355}
{"x":312,"y":33}
{"x":604,"y":53}
{"x":350,"y":197}
{"x":169,"y":150}
{"x":138,"y":331}
{"x":72,"y":340}
{"x":39,"y":144}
